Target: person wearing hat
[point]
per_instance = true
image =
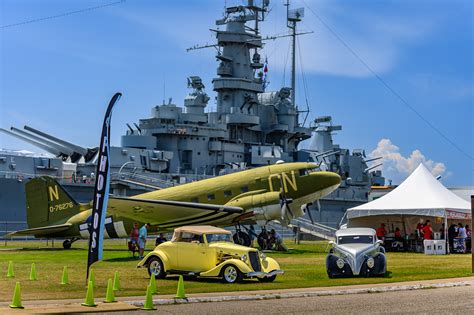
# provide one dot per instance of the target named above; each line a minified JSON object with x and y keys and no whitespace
{"x":380,"y":232}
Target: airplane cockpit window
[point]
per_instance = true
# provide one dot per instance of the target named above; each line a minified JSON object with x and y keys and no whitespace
{"x":244,"y":189}
{"x":195,"y":200}
{"x":304,"y":172}
{"x":211,"y":197}
{"x":227,"y":193}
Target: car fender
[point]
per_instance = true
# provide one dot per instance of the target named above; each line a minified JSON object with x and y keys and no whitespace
{"x":269,"y":264}
{"x":160,"y":254}
{"x":216,"y":271}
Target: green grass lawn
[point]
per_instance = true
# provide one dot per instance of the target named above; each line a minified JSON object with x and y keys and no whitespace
{"x":304,"y":266}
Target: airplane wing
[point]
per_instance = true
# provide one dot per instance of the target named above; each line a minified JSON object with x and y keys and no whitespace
{"x":168,"y":214}
{"x":41,"y":231}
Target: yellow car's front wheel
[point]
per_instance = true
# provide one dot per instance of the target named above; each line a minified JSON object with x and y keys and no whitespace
{"x":231,"y":274}
{"x":155,"y":267}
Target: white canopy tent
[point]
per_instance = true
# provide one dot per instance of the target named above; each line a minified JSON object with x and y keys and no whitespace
{"x":420,"y":195}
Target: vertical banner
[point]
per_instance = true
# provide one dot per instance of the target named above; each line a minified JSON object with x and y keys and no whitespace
{"x":101,"y":190}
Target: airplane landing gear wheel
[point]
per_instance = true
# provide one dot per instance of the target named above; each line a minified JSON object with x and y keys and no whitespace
{"x":241,"y":238}
{"x":67,"y":244}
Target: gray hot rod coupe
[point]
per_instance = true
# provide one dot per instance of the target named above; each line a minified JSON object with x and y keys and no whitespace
{"x":355,"y":252}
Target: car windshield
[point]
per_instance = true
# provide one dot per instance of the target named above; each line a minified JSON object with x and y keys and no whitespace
{"x":355,"y":239}
{"x":218,"y":238}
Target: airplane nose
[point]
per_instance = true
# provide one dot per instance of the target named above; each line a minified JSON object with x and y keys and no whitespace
{"x":326,"y":179}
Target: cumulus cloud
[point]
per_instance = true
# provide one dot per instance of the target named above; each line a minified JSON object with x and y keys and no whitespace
{"x":397,"y":167}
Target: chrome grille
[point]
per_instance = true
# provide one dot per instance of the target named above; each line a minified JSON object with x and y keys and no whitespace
{"x":255,"y":261}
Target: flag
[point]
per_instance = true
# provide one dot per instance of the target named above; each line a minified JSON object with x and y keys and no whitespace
{"x":265,"y":74}
{"x":101,"y":190}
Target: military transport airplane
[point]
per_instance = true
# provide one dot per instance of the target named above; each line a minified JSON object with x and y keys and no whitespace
{"x":275,"y":192}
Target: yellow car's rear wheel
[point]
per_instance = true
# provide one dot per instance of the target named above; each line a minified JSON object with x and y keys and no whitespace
{"x":155,"y":267}
{"x":231,"y":274}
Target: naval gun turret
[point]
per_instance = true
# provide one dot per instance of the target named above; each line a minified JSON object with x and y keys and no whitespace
{"x":53,"y":145}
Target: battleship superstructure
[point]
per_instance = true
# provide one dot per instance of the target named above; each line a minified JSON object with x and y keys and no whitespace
{"x":250,"y":127}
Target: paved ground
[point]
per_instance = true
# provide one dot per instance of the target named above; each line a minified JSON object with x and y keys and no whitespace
{"x":455,"y":300}
{"x":455,"y":295}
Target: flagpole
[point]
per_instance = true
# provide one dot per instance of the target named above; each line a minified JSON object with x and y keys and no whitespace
{"x":101,"y":191}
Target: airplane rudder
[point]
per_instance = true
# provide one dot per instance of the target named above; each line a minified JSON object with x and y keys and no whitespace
{"x":47,"y":201}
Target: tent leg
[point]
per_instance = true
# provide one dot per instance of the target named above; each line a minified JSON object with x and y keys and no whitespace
{"x":446,"y":233}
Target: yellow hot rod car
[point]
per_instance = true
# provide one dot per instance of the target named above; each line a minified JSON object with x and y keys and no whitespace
{"x":208,"y":251}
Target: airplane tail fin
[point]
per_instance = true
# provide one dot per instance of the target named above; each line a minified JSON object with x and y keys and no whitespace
{"x":48,"y":204}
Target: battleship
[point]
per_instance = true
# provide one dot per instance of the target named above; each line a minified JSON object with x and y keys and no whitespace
{"x":250,"y":127}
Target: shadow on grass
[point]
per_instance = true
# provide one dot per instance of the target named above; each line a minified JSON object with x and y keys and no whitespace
{"x":290,"y":251}
{"x":123,"y":259}
{"x":187,"y":278}
{"x":45,"y":249}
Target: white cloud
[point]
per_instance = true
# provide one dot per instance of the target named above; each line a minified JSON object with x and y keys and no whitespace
{"x":397,"y":167}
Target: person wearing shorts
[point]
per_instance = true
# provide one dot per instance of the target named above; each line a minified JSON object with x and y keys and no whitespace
{"x":142,"y":235}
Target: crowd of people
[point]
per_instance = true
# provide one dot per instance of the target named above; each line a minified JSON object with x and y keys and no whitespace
{"x":458,"y":235}
{"x":266,"y":240}
{"x":270,"y":240}
{"x":138,"y":239}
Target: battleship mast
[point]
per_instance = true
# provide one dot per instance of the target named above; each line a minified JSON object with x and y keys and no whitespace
{"x":293,"y":16}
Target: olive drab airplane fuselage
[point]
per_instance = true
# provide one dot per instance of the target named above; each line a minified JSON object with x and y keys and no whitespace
{"x":252,"y":196}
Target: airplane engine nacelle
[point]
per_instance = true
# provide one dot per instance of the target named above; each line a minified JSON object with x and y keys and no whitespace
{"x":265,"y":206}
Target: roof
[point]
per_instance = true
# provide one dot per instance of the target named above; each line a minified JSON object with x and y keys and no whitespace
{"x":355,"y":231}
{"x":419,"y":194}
{"x":202,"y":229}
{"x":464,"y":192}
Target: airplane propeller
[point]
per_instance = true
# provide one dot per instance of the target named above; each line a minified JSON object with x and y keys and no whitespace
{"x":286,"y":213}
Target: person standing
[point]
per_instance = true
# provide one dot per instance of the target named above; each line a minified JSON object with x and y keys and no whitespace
{"x":134,"y":233}
{"x":427,"y":231}
{"x":142,"y":235}
{"x":462,"y":231}
{"x":451,"y":236}
{"x":381,"y":232}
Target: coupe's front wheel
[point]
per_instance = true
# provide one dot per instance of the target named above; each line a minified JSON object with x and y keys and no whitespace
{"x":231,"y":274}
{"x":155,"y":267}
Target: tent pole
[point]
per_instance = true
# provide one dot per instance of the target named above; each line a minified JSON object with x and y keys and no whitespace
{"x":472,"y":223}
{"x":446,"y":232}
{"x":404,"y":225}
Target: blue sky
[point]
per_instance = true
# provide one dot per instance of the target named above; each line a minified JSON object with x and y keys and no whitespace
{"x":57,"y":75}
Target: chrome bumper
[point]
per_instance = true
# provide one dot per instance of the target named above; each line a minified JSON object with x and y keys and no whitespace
{"x":261,"y":274}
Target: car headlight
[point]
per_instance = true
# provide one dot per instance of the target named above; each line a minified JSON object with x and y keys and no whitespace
{"x":370,"y":262}
{"x":340,"y":263}
{"x":262,"y":255}
{"x":243,"y":257}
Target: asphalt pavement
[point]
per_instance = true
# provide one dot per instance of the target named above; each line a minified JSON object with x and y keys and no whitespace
{"x":453,"y":300}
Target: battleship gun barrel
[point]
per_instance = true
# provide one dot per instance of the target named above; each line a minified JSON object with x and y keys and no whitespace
{"x":58,"y":147}
{"x":33,"y":142}
{"x":75,"y":148}
{"x":372,"y":167}
{"x":374,"y":159}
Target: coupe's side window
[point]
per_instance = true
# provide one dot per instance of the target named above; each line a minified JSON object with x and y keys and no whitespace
{"x":187,"y":237}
